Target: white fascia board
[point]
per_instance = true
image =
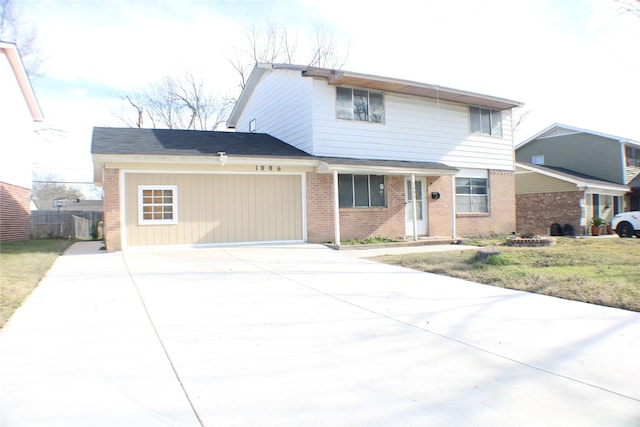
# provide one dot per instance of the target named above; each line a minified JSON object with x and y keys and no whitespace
{"x":252,"y":82}
{"x":11,"y":51}
{"x":581,"y":184}
{"x":384,"y":170}
{"x":198,"y":160}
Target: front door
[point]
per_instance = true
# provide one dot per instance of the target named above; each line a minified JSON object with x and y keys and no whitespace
{"x":421,"y":223}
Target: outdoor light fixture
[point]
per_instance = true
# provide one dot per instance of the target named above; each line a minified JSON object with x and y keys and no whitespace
{"x":223,"y":157}
{"x":435,"y":195}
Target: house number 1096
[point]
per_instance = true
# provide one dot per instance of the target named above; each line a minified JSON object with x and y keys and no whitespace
{"x":268,"y":168}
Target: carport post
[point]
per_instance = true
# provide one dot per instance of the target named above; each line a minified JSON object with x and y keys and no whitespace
{"x":336,"y":209}
{"x":453,"y":207}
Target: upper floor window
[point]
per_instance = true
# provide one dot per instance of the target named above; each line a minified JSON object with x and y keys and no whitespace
{"x":361,"y":191}
{"x":486,"y":121}
{"x":633,"y":156}
{"x":360,"y":105}
{"x":538,"y":159}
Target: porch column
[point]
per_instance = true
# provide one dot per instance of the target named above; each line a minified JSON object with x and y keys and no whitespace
{"x":453,"y":207}
{"x":414,"y":208}
{"x":336,"y":209}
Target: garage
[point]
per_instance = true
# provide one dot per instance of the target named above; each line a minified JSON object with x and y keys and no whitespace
{"x":196,"y":208}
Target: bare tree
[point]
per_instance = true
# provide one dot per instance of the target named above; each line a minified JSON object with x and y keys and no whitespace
{"x":15,"y":30}
{"x":274,"y":44}
{"x":630,"y":6}
{"x":48,"y":186}
{"x":182,"y":102}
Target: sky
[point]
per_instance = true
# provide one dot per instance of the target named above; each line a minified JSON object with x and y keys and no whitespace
{"x":574,"y":62}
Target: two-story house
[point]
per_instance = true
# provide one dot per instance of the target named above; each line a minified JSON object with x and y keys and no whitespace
{"x":568,"y":175}
{"x":18,"y":110}
{"x":318,"y":155}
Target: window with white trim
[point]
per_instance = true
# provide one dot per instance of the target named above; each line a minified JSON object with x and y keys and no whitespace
{"x":485,"y":121}
{"x":538,"y":159}
{"x":158,"y":204}
{"x":361,"y":191}
{"x":472,"y":195}
{"x":359,"y":105}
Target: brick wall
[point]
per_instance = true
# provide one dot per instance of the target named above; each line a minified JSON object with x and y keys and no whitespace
{"x":439,"y":211}
{"x":536,"y":212}
{"x":502,"y":216}
{"x":112,"y":210}
{"x":15,"y":222}
{"x":354,"y":222}
{"x":319,"y":208}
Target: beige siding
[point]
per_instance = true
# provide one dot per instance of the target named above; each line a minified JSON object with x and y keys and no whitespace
{"x":216,"y":208}
{"x":531,"y":182}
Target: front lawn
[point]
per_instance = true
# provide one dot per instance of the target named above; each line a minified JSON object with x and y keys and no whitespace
{"x":602,"y":271}
{"x":22,"y":265}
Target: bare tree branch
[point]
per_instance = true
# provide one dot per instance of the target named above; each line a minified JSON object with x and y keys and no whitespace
{"x":25,"y":36}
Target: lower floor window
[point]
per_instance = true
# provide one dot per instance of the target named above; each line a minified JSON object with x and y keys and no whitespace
{"x":361,"y":190}
{"x":471,"y":195}
{"x":158,"y":204}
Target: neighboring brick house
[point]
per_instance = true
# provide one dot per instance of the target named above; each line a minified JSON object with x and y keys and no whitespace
{"x":361,"y":150}
{"x":569,"y":175}
{"x":18,"y":111}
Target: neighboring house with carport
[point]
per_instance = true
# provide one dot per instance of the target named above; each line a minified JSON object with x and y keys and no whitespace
{"x":318,"y":155}
{"x":571,"y":175}
{"x":19,"y":110}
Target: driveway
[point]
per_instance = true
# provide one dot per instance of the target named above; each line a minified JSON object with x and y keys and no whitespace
{"x":302,"y":335}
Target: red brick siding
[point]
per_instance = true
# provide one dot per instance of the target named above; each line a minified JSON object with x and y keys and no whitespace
{"x":439,"y":211}
{"x":501,"y":218}
{"x":15,"y":214}
{"x":354,"y":222}
{"x":536,"y":212}
{"x":112,"y":210}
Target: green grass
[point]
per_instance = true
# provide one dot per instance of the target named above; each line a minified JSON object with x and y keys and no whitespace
{"x":22,"y":265}
{"x":598,"y":271}
{"x":367,"y":241}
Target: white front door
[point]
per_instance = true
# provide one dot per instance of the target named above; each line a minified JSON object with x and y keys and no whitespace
{"x":421,"y":223}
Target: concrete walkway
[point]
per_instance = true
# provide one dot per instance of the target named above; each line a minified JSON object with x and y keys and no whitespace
{"x":305,"y":336}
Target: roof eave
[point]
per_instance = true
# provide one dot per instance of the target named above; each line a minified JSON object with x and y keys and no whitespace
{"x":24,"y":83}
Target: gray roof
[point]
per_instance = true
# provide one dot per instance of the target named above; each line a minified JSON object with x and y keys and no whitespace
{"x":402,"y":164}
{"x":635,"y":182}
{"x":572,"y":175}
{"x":188,"y":143}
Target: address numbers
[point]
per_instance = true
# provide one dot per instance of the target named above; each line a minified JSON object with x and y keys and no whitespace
{"x":268,"y":168}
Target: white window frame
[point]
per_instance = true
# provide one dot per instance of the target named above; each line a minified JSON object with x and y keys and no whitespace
{"x":490,"y":130}
{"x":352,"y":116}
{"x":474,"y":174}
{"x":538,"y":159}
{"x":383,"y":188}
{"x":173,"y":204}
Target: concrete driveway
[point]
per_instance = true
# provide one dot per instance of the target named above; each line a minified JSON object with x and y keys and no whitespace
{"x":305,"y":336}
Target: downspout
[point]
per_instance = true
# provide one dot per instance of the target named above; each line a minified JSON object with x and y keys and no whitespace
{"x":453,"y":207}
{"x":336,"y":210}
{"x":414,"y":208}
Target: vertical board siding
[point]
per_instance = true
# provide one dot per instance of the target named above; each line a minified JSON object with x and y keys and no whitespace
{"x":220,"y":209}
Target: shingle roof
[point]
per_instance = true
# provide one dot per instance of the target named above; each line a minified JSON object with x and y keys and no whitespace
{"x":574,"y":176}
{"x":403,"y":164}
{"x":188,"y":143}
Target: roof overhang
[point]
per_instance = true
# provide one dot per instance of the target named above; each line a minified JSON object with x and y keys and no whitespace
{"x":573,"y":129}
{"x":383,"y":167}
{"x":11,"y":51}
{"x":407,"y":87}
{"x":580,"y":183}
{"x":383,"y":84}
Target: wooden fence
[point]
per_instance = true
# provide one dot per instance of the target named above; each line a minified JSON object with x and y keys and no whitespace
{"x":66,"y":224}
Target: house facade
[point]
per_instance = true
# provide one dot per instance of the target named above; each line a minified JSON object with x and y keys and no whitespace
{"x":571,"y":175}
{"x":18,"y":109}
{"x":373,"y":156}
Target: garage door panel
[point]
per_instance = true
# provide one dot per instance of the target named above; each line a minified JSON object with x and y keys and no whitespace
{"x":220,"y":209}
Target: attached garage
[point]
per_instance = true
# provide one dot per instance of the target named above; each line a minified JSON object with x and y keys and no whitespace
{"x":184,"y":187}
{"x":188,"y":209}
